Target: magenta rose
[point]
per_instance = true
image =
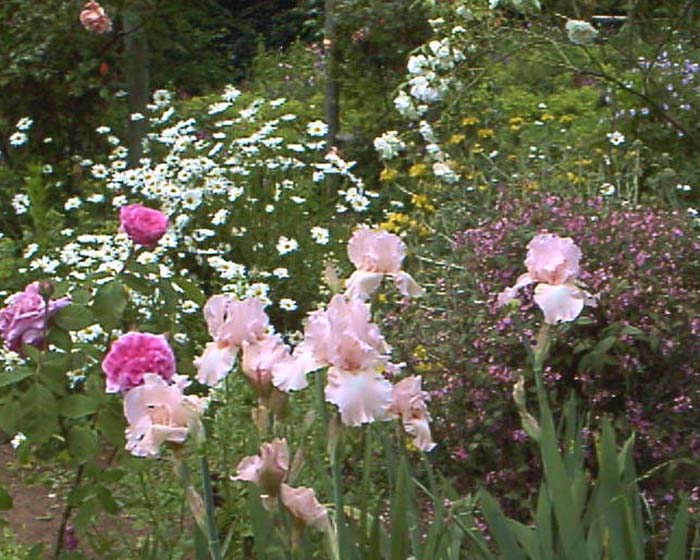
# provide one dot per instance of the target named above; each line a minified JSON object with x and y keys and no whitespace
{"x":144,"y":225}
{"x":23,"y":320}
{"x":134,"y":354}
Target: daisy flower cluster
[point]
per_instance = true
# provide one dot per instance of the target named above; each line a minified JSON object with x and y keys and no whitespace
{"x":214,"y":172}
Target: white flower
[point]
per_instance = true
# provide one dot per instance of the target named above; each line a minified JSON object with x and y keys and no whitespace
{"x":607,"y":189}
{"x":280,"y":273}
{"x":320,"y":235}
{"x":616,"y":138}
{"x":25,"y":123}
{"x":189,"y":306}
{"x":103,"y":130}
{"x":288,"y":304}
{"x":389,"y":145}
{"x":317,"y":128}
{"x":443,"y":171}
{"x":231,"y":93}
{"x":286,"y":245}
{"x":73,"y":203}
{"x":18,"y":139}
{"x":162,"y":98}
{"x":135,"y":117}
{"x":21,"y":203}
{"x":16,"y":441}
{"x":580,"y":32}
{"x":216,"y":108}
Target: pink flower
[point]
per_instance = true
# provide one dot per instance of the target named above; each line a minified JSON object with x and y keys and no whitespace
{"x":375,"y":254}
{"x":304,"y":507}
{"x":552,"y":259}
{"x":145,"y":226}
{"x":343,"y":337}
{"x":231,"y":323}
{"x":553,"y":262}
{"x":132,"y":356}
{"x":95,"y":19}
{"x":362,"y":396}
{"x":408,"y":403}
{"x":269,"y":469}
{"x":259,"y":358}
{"x":158,"y":412}
{"x":24,"y":319}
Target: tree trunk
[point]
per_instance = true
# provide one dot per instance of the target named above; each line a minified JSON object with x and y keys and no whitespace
{"x":331,"y":99}
{"x":137,"y":82}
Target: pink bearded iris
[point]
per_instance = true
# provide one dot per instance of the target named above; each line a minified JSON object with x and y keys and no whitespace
{"x":344,"y":338}
{"x":375,"y":254}
{"x":259,"y":358}
{"x":305,"y":508}
{"x":409,"y":404}
{"x":231,"y":323}
{"x":158,"y":412}
{"x":552,"y":262}
{"x":268,"y":470}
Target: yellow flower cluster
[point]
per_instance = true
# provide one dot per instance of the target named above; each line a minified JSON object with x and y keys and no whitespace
{"x":470,"y":121}
{"x":418,"y":170}
{"x":421,"y":201}
{"x":388,"y":174}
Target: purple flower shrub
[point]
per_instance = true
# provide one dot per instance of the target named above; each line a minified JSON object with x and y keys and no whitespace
{"x":634,"y":356}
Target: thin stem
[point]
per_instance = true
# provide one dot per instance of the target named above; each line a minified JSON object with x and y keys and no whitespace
{"x":335,"y":456}
{"x":66,"y":513}
{"x":213,"y":536}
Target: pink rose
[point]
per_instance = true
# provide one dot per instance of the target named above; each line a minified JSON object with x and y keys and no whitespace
{"x":134,"y":354}
{"x":144,"y":225}
{"x":23,"y":319}
{"x":95,"y":19}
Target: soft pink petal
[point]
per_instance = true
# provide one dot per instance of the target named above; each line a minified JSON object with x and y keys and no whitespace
{"x":407,"y":285}
{"x":376,"y":250}
{"x":290,"y":375}
{"x":552,"y":259}
{"x":362,"y":284}
{"x":269,"y":469}
{"x":361,"y":396}
{"x":419,"y":428}
{"x":216,"y":312}
{"x":559,"y":302}
{"x":509,"y":294}
{"x":215,"y":363}
{"x":304,"y":507}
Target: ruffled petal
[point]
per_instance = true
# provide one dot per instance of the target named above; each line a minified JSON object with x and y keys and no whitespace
{"x":215,"y":363}
{"x":407,"y":285}
{"x":562,"y":302}
{"x":304,"y":507}
{"x":216,"y":312}
{"x":419,"y":428}
{"x":509,"y":294}
{"x":362,"y":284}
{"x":361,"y":396}
{"x":290,"y":375}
